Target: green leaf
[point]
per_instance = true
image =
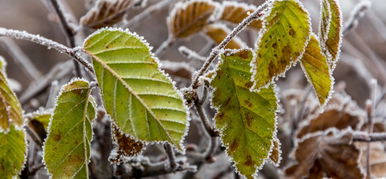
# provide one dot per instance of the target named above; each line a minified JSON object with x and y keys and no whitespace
{"x":247,"y":119}
{"x":13,"y":149}
{"x":317,"y":70}
{"x":67,"y":147}
{"x":283,"y":40}
{"x":331,"y":29}
{"x":10,"y":108}
{"x":139,"y":97}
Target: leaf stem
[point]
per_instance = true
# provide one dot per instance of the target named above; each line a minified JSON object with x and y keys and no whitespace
{"x":22,"y":35}
{"x":215,"y":51}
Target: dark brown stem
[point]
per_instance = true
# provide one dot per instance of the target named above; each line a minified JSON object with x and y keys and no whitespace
{"x":67,"y":29}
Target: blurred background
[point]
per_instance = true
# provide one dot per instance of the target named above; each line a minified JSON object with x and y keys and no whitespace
{"x":363,"y":54}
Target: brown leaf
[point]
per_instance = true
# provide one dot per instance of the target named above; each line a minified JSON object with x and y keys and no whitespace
{"x":235,"y":12}
{"x":326,"y":154}
{"x":188,"y":18}
{"x":377,"y":158}
{"x":218,"y":32}
{"x":333,"y":117}
{"x":106,"y":13}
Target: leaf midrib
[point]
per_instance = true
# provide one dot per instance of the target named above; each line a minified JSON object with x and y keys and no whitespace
{"x":105,"y":66}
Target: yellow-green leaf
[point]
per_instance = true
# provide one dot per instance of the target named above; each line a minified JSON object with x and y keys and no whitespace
{"x":13,"y":150}
{"x":10,"y":108}
{"x":283,"y":40}
{"x":139,"y":97}
{"x":317,"y":70}
{"x":218,"y":32}
{"x":246,"y":119}
{"x":331,"y":29}
{"x":188,"y":18}
{"x":67,"y":147}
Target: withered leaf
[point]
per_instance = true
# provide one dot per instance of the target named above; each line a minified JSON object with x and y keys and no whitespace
{"x":326,"y":154}
{"x":106,"y":13}
{"x":127,"y":145}
{"x":218,"y":32}
{"x":235,"y":12}
{"x":331,"y":117}
{"x":188,"y":18}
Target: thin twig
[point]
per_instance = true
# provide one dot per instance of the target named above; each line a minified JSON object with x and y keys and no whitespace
{"x":190,"y":54}
{"x":67,"y":29}
{"x":21,"y":58}
{"x":357,"y":13}
{"x":165,"y":44}
{"x":366,"y":137}
{"x":22,"y":35}
{"x":215,"y":51}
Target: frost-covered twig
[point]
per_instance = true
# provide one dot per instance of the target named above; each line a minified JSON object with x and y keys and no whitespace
{"x":67,"y":29}
{"x":150,"y":10}
{"x":165,"y":44}
{"x":190,"y":54}
{"x":21,"y":58}
{"x":366,"y":137}
{"x":155,"y":169}
{"x":57,"y":72}
{"x":357,"y":13}
{"x":22,"y":35}
{"x":215,"y":51}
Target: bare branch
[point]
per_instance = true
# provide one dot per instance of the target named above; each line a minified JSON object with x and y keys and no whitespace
{"x":190,"y":54}
{"x":365,"y":137}
{"x":357,"y":13}
{"x":21,"y":58}
{"x":22,"y":35}
{"x":172,"y":158}
{"x":215,"y":51}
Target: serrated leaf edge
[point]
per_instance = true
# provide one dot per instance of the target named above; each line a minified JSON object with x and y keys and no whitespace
{"x":141,"y":38}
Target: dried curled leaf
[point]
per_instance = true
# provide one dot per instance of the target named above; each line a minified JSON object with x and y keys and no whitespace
{"x":13,"y":149}
{"x":127,"y":146}
{"x":326,"y":154}
{"x":235,"y":12}
{"x":317,"y":70}
{"x":188,"y":18}
{"x":218,"y":32}
{"x":331,"y":29}
{"x":67,"y":147}
{"x":283,"y":40}
{"x":138,"y":96}
{"x":106,"y":13}
{"x":10,"y":108}
{"x":247,"y":120}
{"x":275,"y":156}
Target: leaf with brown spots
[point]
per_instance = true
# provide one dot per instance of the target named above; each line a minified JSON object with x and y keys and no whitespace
{"x":317,"y":70}
{"x":246,"y":119}
{"x":328,"y":154}
{"x":188,"y":18}
{"x":106,"y":13}
{"x":330,"y":29}
{"x":286,"y":31}
{"x":235,"y":12}
{"x":10,"y":108}
{"x":67,"y":146}
{"x":218,"y":32}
